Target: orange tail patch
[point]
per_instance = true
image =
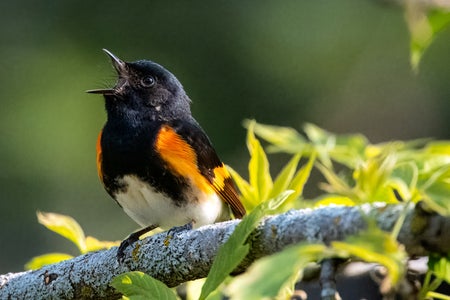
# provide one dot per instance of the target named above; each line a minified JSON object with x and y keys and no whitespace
{"x":224,"y":186}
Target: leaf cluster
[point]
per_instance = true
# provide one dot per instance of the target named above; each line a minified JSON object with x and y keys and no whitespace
{"x":68,"y":228}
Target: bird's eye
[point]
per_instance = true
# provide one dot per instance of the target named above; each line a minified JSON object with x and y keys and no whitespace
{"x":148,"y":81}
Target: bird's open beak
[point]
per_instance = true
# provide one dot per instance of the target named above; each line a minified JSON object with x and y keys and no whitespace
{"x":121,"y":69}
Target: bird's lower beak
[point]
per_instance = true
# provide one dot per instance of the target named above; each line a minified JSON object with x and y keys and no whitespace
{"x":102,"y":91}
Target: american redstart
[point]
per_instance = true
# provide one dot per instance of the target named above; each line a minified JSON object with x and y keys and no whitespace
{"x":153,"y":157}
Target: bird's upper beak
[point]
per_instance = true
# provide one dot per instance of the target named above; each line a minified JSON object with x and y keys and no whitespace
{"x":118,"y":64}
{"x":121,"y":69}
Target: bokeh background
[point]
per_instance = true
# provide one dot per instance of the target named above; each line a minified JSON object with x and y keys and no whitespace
{"x":343,"y":65}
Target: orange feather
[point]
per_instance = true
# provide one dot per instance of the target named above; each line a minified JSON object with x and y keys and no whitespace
{"x":180,"y":157}
{"x":99,"y":156}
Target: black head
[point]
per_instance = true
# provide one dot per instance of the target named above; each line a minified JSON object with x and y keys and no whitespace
{"x":144,"y":90}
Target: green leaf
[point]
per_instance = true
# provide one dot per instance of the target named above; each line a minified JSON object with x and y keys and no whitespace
{"x":335,"y":184}
{"x":139,"y":286}
{"x":282,"y":138}
{"x":318,"y":135}
{"x":436,"y":171}
{"x":285,"y":176}
{"x":424,"y":24}
{"x":375,"y":245}
{"x":349,"y":149}
{"x":404,"y":179}
{"x":435,"y":296}
{"x":298,"y":183}
{"x":440,"y":266}
{"x":438,"y":147}
{"x":435,"y":188}
{"x":38,"y":262}
{"x":234,"y":250}
{"x":436,"y":197}
{"x":65,"y":226}
{"x":334,"y":199}
{"x":258,"y":168}
{"x":322,"y":141}
{"x":269,"y":275}
{"x":247,"y":191}
{"x":371,"y":177}
{"x":93,"y":244}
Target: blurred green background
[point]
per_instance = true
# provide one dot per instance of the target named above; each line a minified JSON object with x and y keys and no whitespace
{"x":343,"y":65}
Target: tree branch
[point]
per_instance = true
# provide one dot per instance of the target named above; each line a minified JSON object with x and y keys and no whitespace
{"x":190,"y":254}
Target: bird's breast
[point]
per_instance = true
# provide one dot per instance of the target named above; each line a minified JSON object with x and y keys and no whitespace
{"x":148,"y":206}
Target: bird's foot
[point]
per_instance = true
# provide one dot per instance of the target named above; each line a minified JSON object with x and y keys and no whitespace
{"x":179,"y":229}
{"x":130,"y":240}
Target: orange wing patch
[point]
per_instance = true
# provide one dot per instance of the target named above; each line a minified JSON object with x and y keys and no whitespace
{"x":99,"y":156}
{"x":180,"y":157}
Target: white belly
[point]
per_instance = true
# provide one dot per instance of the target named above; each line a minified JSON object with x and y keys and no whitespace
{"x":147,"y":207}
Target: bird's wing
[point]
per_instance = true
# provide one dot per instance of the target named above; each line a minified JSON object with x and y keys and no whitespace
{"x":186,"y":149}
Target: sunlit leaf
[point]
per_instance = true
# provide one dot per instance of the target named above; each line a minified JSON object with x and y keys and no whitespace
{"x":284,"y":178}
{"x":400,"y":191}
{"x":323,"y":142}
{"x":371,"y":178}
{"x":437,"y":296}
{"x":93,"y":244}
{"x":403,"y":180}
{"x":434,"y":173}
{"x":349,"y":149}
{"x":193,"y":289}
{"x":234,"y":250}
{"x":440,"y":266}
{"x":437,"y":197}
{"x":38,"y":262}
{"x":318,"y":135}
{"x":335,"y":184}
{"x":375,"y":245}
{"x":434,"y":183}
{"x":438,"y":147}
{"x":65,"y":226}
{"x":258,"y":168}
{"x":284,"y":139}
{"x":139,"y":286}
{"x":298,"y":182}
{"x":267,"y":276}
{"x":372,"y":150}
{"x":248,"y":197}
{"x":423,"y":24}
{"x":335,"y":200}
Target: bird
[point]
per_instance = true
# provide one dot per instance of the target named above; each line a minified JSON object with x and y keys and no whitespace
{"x":153,"y":157}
